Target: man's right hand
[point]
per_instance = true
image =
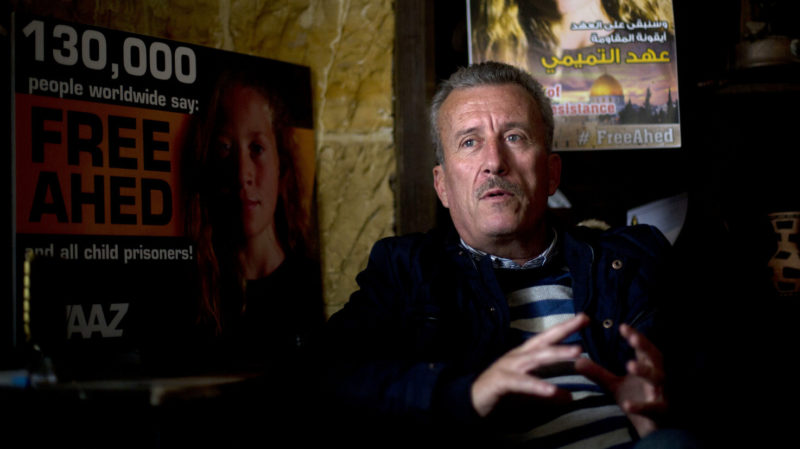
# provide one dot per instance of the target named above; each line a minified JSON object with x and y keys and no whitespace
{"x":512,"y":373}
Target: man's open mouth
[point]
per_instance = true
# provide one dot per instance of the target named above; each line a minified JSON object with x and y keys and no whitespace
{"x":495,"y":193}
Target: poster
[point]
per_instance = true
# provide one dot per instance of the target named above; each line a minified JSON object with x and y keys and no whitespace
{"x":115,"y":137}
{"x":611,"y":73}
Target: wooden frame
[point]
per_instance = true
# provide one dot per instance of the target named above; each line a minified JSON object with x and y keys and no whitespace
{"x":415,"y":199}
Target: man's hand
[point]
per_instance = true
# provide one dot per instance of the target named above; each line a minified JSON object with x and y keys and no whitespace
{"x":512,"y":373}
{"x":640,"y":393}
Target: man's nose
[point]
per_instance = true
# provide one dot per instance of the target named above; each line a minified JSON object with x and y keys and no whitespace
{"x":495,"y":157}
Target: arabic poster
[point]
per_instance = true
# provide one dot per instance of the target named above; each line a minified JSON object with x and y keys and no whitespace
{"x":611,"y":74}
{"x":114,"y":138}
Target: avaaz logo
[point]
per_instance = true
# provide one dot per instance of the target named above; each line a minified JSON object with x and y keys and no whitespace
{"x":79,"y":326}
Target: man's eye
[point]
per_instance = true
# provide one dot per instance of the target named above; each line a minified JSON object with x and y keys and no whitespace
{"x":514,"y":138}
{"x":469,"y":143}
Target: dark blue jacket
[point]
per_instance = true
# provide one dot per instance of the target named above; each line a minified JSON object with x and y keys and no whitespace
{"x":428,"y":318}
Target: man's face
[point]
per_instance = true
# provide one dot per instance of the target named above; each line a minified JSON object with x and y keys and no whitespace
{"x":497,"y":173}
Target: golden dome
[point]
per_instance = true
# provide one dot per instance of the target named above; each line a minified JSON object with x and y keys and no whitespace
{"x":606,"y":86}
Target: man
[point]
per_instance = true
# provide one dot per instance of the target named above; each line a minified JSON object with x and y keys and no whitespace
{"x":508,"y":330}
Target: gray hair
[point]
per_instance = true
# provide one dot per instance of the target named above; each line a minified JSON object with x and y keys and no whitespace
{"x":489,"y":73}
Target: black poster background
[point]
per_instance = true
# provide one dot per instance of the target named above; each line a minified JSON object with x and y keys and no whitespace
{"x":105,"y":267}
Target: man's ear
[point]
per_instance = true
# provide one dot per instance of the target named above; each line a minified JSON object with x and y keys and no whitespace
{"x":439,"y":184}
{"x":553,"y":172}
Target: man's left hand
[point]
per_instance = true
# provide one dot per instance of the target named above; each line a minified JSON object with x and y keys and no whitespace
{"x":640,"y":392}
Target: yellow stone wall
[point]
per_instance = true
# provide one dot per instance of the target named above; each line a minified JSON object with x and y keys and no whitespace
{"x":348,"y":45}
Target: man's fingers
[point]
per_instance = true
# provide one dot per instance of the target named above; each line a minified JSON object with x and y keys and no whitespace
{"x":559,"y":332}
{"x":497,"y":383}
{"x":531,"y":385}
{"x":596,"y":373}
{"x":648,"y":363}
{"x":648,"y":408}
{"x":645,"y":370}
{"x":524,"y":361}
{"x":642,"y":345}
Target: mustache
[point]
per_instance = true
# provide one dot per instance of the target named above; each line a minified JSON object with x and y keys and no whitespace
{"x":494,"y":183}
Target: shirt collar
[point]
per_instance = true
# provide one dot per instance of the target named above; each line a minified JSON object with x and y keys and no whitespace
{"x":500,"y":262}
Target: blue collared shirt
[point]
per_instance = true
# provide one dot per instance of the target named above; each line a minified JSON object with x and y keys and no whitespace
{"x":500,"y":262}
